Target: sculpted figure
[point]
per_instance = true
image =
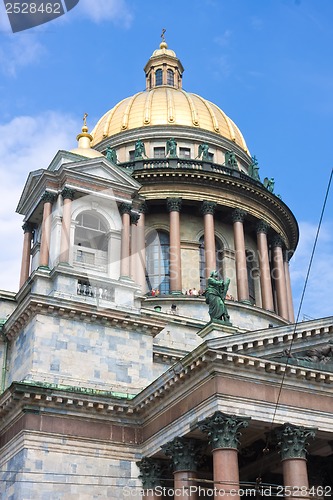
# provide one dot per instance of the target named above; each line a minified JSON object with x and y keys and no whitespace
{"x":215,"y":294}
{"x":254,"y":169}
{"x":111,"y":154}
{"x":203,"y":151}
{"x":139,"y":149}
{"x":269,"y":184}
{"x":171,"y":147}
{"x":230,"y":159}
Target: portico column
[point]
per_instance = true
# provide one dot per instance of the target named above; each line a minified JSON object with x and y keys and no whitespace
{"x":241,"y":267}
{"x":125,"y":212}
{"x":292,"y":441}
{"x":279,"y":278}
{"x":134,"y":219}
{"x":174,"y":206}
{"x":48,"y":199}
{"x":185,"y":454}
{"x":265,"y":272}
{"x":26,"y":253}
{"x":150,"y":475}
{"x":208,"y":209}
{"x":224,"y":437}
{"x":289,"y":292}
{"x":141,"y":248}
{"x":67,"y":196}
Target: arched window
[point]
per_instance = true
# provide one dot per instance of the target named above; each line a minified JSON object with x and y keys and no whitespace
{"x":157,"y":266}
{"x":158,"y":77}
{"x":249,"y":266}
{"x":170,"y":77}
{"x":90,"y":241}
{"x":202,"y":261}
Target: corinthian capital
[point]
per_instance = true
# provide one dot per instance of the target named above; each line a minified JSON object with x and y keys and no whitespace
{"x":174,"y":204}
{"x":208,"y":207}
{"x":185,"y":453}
{"x":223,"y":430}
{"x":292,"y":440}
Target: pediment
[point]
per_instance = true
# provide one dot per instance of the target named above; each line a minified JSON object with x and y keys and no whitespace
{"x":101,"y":168}
{"x":308,"y":344}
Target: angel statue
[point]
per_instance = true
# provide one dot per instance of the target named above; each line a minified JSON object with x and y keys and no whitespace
{"x":269,"y":184}
{"x":215,"y":294}
{"x":203,"y":151}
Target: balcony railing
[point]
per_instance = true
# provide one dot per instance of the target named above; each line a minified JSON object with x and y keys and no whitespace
{"x":95,"y":290}
{"x":184,"y":163}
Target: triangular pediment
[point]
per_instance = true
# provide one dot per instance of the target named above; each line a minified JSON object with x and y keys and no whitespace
{"x":308,"y":344}
{"x":103,"y":169}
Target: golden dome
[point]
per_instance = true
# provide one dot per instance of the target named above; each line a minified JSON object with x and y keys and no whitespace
{"x":166,"y":105}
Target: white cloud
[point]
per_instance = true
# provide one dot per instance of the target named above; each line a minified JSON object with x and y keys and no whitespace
{"x":28,"y":143}
{"x":106,"y":10}
{"x":19,"y":50}
{"x":317,"y":298}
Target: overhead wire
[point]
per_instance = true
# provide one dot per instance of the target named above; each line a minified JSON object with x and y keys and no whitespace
{"x":265,"y":450}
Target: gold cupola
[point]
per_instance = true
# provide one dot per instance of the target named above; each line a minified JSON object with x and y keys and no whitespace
{"x":163,"y":68}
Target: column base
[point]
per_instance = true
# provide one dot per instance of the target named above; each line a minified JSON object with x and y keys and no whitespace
{"x":176,"y":292}
{"x":44,"y":268}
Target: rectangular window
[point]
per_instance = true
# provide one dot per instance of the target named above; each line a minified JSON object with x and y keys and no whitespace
{"x":132,"y":155}
{"x":159,"y":152}
{"x":185,"y":153}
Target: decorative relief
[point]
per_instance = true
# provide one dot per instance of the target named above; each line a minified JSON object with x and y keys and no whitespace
{"x":67,"y":194}
{"x":262,"y":227}
{"x":150,"y":472}
{"x":174,"y":204}
{"x":48,"y":197}
{"x":124,"y":208}
{"x":134,"y":218}
{"x":277,"y":241}
{"x":208,"y":207}
{"x":223,"y":430}
{"x":28,"y":227}
{"x":292,"y":440}
{"x":185,"y":453}
{"x":238,"y":215}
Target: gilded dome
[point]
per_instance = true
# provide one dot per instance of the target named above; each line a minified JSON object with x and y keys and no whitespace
{"x":166,"y":105}
{"x":164,"y":102}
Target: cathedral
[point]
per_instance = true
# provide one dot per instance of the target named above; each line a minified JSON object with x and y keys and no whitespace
{"x":151,"y":350}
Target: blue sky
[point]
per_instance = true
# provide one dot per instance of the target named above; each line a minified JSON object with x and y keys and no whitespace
{"x":266,"y":63}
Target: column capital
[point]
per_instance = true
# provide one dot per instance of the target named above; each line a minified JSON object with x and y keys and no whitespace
{"x":277,"y":241}
{"x":150,"y":472}
{"x":223,"y":430}
{"x":238,"y":215}
{"x":134,"y":218}
{"x":143,"y":208}
{"x":208,"y":207}
{"x":184,"y":452}
{"x":28,"y":227}
{"x":48,"y":197}
{"x":262,"y":227}
{"x":292,"y":440}
{"x":68,"y":194}
{"x":174,"y":204}
{"x":125,"y":208}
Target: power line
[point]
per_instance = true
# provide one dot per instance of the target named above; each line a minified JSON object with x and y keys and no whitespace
{"x":300,"y":307}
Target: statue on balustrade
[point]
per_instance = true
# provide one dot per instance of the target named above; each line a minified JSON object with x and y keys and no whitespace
{"x":230,"y":159}
{"x":140,"y":150}
{"x":269,"y":184}
{"x":254,"y":169}
{"x":203,"y":151}
{"x":215,"y":294}
{"x":111,"y":155}
{"x":171,"y":148}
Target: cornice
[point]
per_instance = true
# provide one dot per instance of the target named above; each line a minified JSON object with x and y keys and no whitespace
{"x":38,"y":304}
{"x":232,"y":192}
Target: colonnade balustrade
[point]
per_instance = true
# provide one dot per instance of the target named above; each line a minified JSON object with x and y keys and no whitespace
{"x":132,"y":258}
{"x":223,"y":432}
